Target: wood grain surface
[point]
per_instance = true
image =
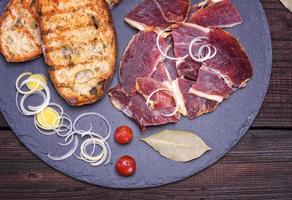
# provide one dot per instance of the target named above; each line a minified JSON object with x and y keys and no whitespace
{"x":259,"y":167}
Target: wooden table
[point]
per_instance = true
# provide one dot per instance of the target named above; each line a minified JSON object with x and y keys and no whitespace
{"x":259,"y":167}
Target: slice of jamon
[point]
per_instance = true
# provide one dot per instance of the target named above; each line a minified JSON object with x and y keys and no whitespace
{"x":170,"y":66}
{"x":147,"y":16}
{"x":161,"y":74}
{"x":158,"y":14}
{"x":135,"y":108}
{"x":140,"y":60}
{"x":211,"y":86}
{"x":174,"y":10}
{"x":231,"y":60}
{"x":182,"y":37}
{"x":162,"y":100}
{"x":188,"y":68}
{"x":119,"y":100}
{"x":193,"y":105}
{"x":146,"y":116}
{"x":215,"y":13}
{"x":166,"y":70}
{"x":183,"y":34}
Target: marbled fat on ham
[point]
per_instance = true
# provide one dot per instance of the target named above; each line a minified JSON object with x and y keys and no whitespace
{"x":215,"y":13}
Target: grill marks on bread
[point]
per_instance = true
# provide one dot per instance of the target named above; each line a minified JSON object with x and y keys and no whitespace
{"x":79,"y":45}
{"x":20,"y":38}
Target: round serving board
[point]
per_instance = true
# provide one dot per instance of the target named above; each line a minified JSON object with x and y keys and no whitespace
{"x":221,"y":129}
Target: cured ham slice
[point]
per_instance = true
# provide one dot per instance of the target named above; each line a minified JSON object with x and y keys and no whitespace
{"x":158,"y":14}
{"x":182,"y":37}
{"x":204,"y":67}
{"x":147,"y":16}
{"x":215,"y":13}
{"x":193,"y":105}
{"x":135,"y":108}
{"x":174,"y":10}
{"x":231,"y":60}
{"x":211,"y":86}
{"x":140,"y":60}
{"x":169,"y":66}
{"x":119,"y":100}
{"x":171,"y":69}
{"x":163,"y":100}
{"x":188,"y":68}
{"x":183,"y":34}
{"x":146,"y":116}
{"x":161,"y":73}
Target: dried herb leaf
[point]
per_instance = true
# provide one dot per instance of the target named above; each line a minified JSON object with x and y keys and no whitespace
{"x":177,"y":145}
{"x":287,"y":4}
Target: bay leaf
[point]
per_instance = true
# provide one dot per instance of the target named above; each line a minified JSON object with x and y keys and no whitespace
{"x":177,"y":145}
{"x":287,"y":4}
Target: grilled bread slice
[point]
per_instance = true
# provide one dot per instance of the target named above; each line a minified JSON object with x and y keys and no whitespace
{"x":79,"y":45}
{"x":19,"y":33}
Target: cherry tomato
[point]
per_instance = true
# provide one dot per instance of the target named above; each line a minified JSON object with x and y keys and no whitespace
{"x":126,"y":166}
{"x":123,"y":135}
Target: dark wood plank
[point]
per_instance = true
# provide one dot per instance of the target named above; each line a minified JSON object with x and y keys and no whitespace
{"x":276,"y":111}
{"x":260,"y":167}
{"x":277,"y":108}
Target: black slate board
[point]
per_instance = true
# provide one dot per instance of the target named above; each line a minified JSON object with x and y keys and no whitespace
{"x":221,"y":130}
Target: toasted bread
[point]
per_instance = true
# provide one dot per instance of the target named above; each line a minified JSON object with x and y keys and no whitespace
{"x":79,"y":45}
{"x":19,"y":33}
